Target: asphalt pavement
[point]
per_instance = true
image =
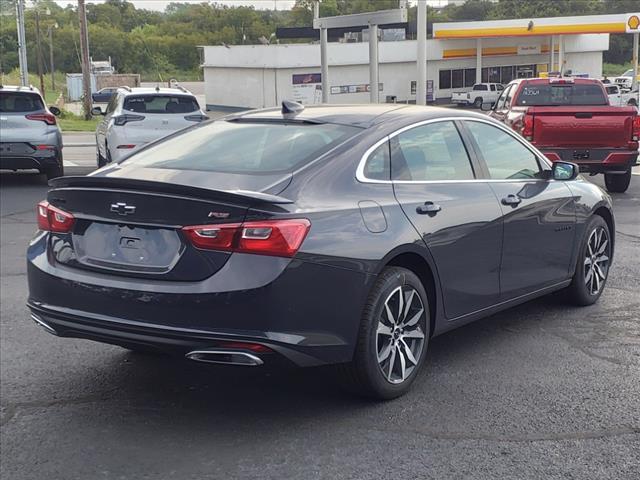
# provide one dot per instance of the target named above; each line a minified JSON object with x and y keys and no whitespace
{"x":542,"y":391}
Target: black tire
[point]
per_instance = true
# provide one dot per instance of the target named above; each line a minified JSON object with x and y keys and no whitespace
{"x":55,"y":172}
{"x":364,"y":374}
{"x":106,"y":147}
{"x":618,"y":183}
{"x":100,"y":159}
{"x":477,"y":103}
{"x":579,"y":291}
{"x":632,"y":102}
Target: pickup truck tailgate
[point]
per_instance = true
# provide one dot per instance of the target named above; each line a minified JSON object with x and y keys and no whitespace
{"x":589,"y":126}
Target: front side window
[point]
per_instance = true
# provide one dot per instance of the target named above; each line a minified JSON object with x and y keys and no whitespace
{"x":506,"y":157}
{"x":430,"y":152}
{"x":244,"y":146}
{"x":500,"y":104}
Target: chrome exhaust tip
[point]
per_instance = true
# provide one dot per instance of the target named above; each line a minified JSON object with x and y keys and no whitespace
{"x":225,"y":357}
{"x":43,"y":324}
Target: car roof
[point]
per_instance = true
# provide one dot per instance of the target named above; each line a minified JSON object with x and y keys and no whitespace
{"x":360,"y":115}
{"x":155,"y":90}
{"x":18,"y":88}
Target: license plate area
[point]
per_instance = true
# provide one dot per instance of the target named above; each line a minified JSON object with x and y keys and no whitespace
{"x":581,"y":155}
{"x":127,"y":248}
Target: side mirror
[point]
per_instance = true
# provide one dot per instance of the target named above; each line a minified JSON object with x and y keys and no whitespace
{"x":565,"y":171}
{"x":55,"y":110}
{"x":486,"y":106}
{"x":96,"y":111}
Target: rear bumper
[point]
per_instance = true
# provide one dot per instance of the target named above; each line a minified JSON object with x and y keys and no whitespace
{"x":597,"y":161}
{"x":307,"y":313}
{"x":30,"y":162}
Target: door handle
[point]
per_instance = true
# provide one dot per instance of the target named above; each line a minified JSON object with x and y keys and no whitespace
{"x":429,"y":208}
{"x":512,"y":200}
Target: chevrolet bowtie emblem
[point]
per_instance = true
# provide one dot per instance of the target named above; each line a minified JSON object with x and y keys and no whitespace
{"x":122,"y":208}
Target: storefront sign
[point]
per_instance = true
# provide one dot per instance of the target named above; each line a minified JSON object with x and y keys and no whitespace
{"x":529,"y":50}
{"x":361,"y":88}
{"x":307,"y":88}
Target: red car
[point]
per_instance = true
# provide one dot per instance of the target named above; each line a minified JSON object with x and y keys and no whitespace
{"x":571,"y":119}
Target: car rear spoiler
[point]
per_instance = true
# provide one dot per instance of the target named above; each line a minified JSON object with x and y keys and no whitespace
{"x":244,"y":197}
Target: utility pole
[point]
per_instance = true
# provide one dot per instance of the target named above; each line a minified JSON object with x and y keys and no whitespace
{"x":421,"y":85}
{"x":39,"y":53}
{"x":53,"y":80}
{"x":86,"y":68}
{"x":22,"y":43}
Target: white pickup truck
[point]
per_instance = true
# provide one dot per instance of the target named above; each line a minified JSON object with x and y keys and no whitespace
{"x":479,"y":94}
{"x":625,"y":80}
{"x":618,"y":98}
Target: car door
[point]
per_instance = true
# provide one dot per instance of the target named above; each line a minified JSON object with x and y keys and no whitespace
{"x":538,"y":213}
{"x":457,"y":217}
{"x":501,"y":109}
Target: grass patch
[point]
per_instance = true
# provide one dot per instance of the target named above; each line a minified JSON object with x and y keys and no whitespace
{"x":614,"y":69}
{"x":73,"y":123}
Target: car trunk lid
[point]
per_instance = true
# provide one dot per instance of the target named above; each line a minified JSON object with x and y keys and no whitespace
{"x":133,"y":227}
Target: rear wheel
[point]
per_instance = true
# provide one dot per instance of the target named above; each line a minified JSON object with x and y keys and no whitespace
{"x":618,"y":183}
{"x":100,"y":159}
{"x":477,"y":103}
{"x":393,"y":337}
{"x":594,"y":259}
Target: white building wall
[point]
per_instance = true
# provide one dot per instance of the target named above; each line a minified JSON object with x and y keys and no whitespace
{"x":256,"y":76}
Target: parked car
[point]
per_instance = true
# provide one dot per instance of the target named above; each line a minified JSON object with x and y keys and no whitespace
{"x":618,"y":98}
{"x":345,"y":235}
{"x":479,"y":94}
{"x":137,"y":116}
{"x":29,"y":135}
{"x":625,"y":81}
{"x":571,"y":119}
{"x":104,"y":94}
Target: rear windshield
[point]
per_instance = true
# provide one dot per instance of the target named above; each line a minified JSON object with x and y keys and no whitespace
{"x":161,"y":104}
{"x":18,"y":102}
{"x":479,"y":87}
{"x":565,"y":94}
{"x":242,"y":147}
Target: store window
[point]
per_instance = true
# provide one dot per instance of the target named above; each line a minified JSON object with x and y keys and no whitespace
{"x":469,"y":77}
{"x":457,"y":78}
{"x":445,"y":79}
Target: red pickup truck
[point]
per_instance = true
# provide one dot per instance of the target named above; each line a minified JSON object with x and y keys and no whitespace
{"x":570,"y":119}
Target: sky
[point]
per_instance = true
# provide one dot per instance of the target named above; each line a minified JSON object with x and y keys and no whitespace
{"x":258,"y":4}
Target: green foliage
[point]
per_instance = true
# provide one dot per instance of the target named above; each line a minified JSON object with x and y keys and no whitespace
{"x":164,"y":43}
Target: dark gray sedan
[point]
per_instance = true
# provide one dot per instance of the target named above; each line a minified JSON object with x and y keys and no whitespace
{"x":345,"y":235}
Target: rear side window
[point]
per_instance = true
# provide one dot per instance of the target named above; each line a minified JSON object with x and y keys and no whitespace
{"x":378,"y":166}
{"x":245,"y":147}
{"x":161,"y":104}
{"x":477,"y":88}
{"x":430,"y":152}
{"x":18,"y":102}
{"x":561,"y":94}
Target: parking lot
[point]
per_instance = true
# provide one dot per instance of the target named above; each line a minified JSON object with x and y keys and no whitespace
{"x":540,"y":391}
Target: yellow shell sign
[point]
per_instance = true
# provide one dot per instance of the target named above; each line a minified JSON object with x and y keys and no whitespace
{"x":633,"y":24}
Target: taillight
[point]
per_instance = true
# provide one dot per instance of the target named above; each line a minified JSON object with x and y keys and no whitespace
{"x":254,"y":347}
{"x":52,"y":219}
{"x":121,"y":120}
{"x":47,"y":118}
{"x":280,"y":238}
{"x":635,"y":136}
{"x":527,"y":127}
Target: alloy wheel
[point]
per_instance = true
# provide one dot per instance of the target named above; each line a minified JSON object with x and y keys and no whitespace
{"x":596,"y":261}
{"x":400,"y":334}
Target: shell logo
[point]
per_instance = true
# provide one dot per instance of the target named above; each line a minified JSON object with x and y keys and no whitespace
{"x":633,"y":23}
